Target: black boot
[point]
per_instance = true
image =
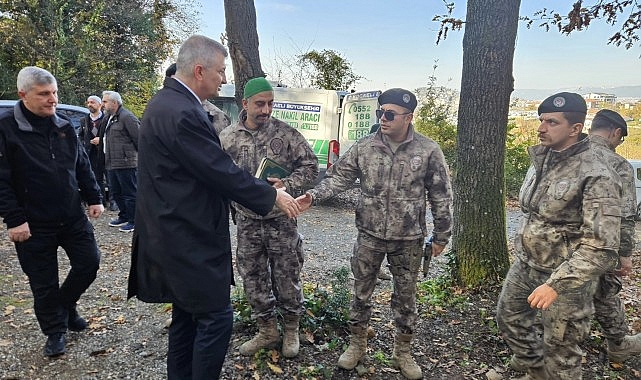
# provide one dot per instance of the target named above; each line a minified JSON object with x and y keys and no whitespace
{"x":75,"y":322}
{"x":55,"y":345}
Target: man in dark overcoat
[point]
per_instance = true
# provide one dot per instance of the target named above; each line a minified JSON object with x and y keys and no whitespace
{"x":181,"y":250}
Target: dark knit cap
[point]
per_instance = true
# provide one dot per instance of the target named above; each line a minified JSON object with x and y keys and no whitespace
{"x":564,"y":102}
{"x":613,"y":118}
{"x":398,"y":96}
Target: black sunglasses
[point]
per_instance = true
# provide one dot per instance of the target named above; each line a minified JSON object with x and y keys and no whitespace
{"x":389,"y":115}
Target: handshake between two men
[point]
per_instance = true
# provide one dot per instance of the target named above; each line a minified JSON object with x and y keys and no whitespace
{"x":292,"y":207}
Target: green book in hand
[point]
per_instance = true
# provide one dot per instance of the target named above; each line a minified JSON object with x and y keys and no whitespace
{"x":270,"y":168}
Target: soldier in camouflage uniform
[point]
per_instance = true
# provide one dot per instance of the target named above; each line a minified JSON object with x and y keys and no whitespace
{"x":568,"y":238}
{"x":396,"y":167}
{"x":608,"y":131}
{"x":270,"y":254}
{"x":217,"y":117}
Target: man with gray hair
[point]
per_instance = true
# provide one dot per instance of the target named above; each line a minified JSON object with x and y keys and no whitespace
{"x":218,"y":118}
{"x":121,"y":158}
{"x":182,"y":250}
{"x":45,"y":175}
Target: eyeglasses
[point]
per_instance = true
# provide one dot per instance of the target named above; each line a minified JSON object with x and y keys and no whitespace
{"x":389,"y":115}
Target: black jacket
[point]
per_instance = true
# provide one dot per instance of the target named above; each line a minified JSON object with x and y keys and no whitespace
{"x":121,"y":137}
{"x":86,"y":135}
{"x":41,"y":172}
{"x":182,"y":248}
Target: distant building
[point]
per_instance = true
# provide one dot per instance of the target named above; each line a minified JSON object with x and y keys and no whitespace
{"x":628,"y":103}
{"x":598,"y":100}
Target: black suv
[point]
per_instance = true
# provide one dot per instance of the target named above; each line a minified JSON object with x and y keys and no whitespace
{"x":74,"y":113}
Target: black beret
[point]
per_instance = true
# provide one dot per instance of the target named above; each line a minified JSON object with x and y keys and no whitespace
{"x":613,"y":118}
{"x":564,"y":102}
{"x":400,"y":97}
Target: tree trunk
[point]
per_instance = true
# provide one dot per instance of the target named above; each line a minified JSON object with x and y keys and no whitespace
{"x":479,"y":245}
{"x":242,"y":41}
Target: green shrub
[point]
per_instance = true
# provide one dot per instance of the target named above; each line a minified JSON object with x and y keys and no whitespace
{"x":436,"y":294}
{"x":327,"y":308}
{"x":242,"y":309}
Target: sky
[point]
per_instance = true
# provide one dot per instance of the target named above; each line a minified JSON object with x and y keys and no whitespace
{"x":393,"y":44}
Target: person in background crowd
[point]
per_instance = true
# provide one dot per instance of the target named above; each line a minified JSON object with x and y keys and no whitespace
{"x":91,"y":130}
{"x":121,"y":158}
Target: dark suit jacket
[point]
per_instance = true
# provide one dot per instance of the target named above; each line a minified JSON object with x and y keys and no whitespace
{"x":95,"y":152}
{"x":182,"y":250}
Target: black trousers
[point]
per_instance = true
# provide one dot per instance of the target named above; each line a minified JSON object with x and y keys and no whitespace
{"x":38,"y":258}
{"x":97,"y":161}
{"x":198,"y":344}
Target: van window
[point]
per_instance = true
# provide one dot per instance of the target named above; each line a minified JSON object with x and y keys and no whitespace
{"x":229,"y":107}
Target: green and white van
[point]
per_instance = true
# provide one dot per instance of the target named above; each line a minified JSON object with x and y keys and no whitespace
{"x":331,"y":121}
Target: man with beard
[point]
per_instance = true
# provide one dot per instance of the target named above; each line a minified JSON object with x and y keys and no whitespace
{"x":91,"y":130}
{"x":121,"y":158}
{"x":270,"y":253}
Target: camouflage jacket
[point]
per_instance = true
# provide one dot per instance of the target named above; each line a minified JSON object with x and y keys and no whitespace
{"x":572,"y":205}
{"x":628,"y":197}
{"x":278,"y":141}
{"x":217,"y":117}
{"x":392,"y":204}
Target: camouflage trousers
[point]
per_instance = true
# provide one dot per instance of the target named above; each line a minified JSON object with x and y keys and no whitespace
{"x":608,"y":308}
{"x":404,"y":259}
{"x":566,"y":323}
{"x":269,"y":258}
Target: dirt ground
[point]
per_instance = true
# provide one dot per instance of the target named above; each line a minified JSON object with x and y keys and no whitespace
{"x":127,"y":338}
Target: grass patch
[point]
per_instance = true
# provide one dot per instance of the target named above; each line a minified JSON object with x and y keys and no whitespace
{"x":381,"y":357}
{"x":438,"y":294}
{"x":12,"y":301}
{"x":315,"y":371}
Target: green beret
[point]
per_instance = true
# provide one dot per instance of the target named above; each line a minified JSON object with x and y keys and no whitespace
{"x":255,"y":86}
{"x":564,"y":102}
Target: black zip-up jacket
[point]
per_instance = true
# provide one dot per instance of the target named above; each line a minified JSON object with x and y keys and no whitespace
{"x":44,"y":171}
